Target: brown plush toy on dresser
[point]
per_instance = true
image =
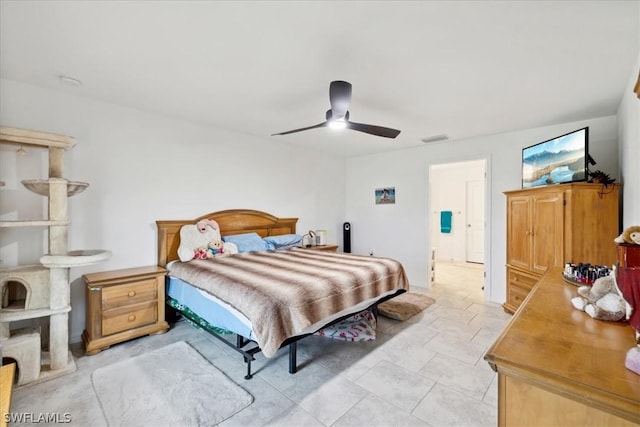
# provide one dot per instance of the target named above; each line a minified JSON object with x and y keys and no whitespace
{"x":630,"y":235}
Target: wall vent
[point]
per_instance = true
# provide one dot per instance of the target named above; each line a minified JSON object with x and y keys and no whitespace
{"x":435,"y":138}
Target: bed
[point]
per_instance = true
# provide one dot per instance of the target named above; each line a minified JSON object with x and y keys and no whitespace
{"x":271,"y":299}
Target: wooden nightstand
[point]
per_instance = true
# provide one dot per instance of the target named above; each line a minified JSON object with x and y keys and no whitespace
{"x":328,"y":248}
{"x":123,"y":304}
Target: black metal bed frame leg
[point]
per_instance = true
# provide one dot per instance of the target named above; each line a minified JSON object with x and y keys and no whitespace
{"x":249,"y":375}
{"x":293,"y":350}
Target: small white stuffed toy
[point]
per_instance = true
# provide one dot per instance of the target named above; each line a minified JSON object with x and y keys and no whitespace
{"x":602,"y":301}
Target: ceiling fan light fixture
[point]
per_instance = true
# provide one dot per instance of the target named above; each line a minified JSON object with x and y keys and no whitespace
{"x":338,"y":124}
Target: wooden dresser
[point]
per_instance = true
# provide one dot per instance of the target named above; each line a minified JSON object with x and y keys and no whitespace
{"x":552,"y":225}
{"x":123,"y":304}
{"x":559,"y":367}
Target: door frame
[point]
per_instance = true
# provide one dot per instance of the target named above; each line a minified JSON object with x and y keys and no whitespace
{"x":487,"y":285}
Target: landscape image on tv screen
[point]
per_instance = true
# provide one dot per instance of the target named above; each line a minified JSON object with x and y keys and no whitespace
{"x":558,"y":160}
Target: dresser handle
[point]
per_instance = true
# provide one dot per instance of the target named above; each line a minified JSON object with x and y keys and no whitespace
{"x":132,"y":318}
{"x":132,"y":293}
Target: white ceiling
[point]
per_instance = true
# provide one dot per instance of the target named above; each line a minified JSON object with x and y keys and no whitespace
{"x":259,"y":67}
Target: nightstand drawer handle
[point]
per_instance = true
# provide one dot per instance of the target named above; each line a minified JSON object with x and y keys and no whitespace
{"x":132,"y":318}
{"x":132,"y":293}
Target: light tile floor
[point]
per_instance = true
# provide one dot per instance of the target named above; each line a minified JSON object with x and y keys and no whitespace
{"x":427,"y":371}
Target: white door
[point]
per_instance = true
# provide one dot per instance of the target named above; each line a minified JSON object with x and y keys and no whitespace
{"x":475,"y":221}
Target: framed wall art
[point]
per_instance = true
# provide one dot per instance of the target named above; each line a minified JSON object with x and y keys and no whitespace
{"x":385,"y":196}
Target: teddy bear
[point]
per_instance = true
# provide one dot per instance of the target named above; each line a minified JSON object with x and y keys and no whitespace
{"x":215,"y":247}
{"x":602,"y":300}
{"x":629,"y":235}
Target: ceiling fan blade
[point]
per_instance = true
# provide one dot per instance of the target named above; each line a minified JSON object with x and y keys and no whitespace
{"x":319,"y":125}
{"x":373,"y":130}
{"x":340,"y":98}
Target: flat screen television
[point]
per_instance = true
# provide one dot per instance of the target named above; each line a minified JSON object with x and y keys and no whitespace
{"x":557,"y":160}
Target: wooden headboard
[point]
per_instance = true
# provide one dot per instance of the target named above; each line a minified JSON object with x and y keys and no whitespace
{"x":233,"y":221}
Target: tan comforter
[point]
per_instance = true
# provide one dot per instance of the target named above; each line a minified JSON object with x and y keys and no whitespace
{"x":284,"y":292}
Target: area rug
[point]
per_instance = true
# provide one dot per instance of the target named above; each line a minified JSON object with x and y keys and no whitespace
{"x":173,"y":385}
{"x":405,"y":305}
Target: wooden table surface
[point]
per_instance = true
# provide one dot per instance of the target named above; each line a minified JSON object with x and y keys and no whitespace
{"x":7,"y":373}
{"x":552,"y":345}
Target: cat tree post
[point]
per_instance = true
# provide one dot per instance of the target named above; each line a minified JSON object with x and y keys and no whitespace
{"x":58,"y":277}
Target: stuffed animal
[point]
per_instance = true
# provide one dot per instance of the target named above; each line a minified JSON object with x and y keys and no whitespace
{"x":201,"y":253}
{"x":202,"y":225}
{"x":230,"y":248}
{"x":196,"y":237}
{"x":629,"y":235}
{"x":602,"y":301}
{"x":203,"y":241}
{"x":215,"y":247}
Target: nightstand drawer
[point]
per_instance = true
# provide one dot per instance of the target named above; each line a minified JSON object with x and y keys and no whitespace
{"x":123,"y":319}
{"x":133,"y":293}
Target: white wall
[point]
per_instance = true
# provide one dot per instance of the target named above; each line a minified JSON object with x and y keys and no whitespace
{"x":143,"y":167}
{"x":401,"y":230}
{"x":629,"y":129}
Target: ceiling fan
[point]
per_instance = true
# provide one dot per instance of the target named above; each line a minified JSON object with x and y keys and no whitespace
{"x":338,"y":115}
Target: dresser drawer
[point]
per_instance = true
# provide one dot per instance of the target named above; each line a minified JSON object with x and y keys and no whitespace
{"x":125,"y":318}
{"x":525,"y":281}
{"x":129,"y":294}
{"x":519,"y":284}
{"x":515,"y":296}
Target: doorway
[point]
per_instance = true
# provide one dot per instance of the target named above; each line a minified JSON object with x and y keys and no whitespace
{"x":457,"y":198}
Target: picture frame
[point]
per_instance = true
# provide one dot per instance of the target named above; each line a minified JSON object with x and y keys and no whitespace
{"x":385,"y":196}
